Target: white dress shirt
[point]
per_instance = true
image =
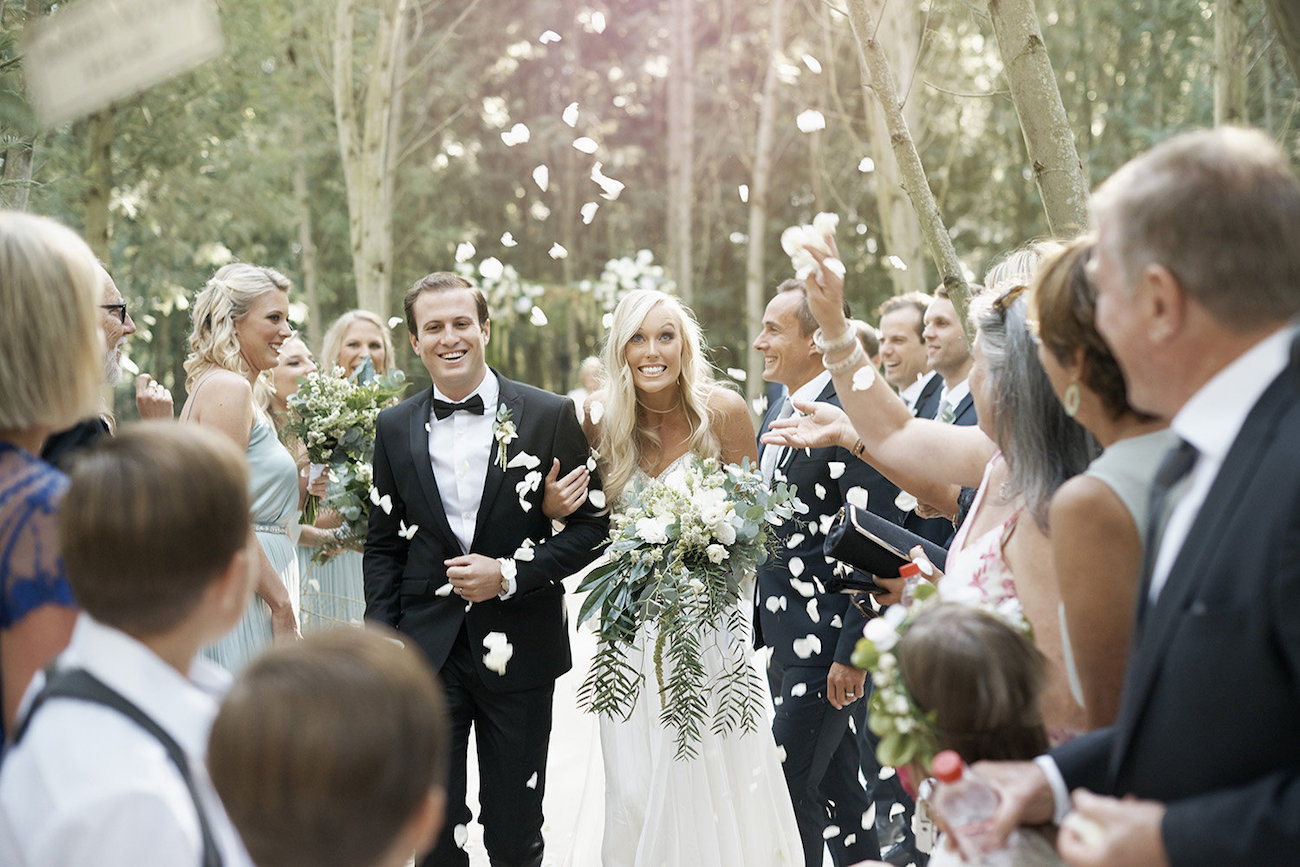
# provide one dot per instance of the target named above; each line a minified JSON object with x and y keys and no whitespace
{"x":807,"y":393}
{"x":1210,"y":420}
{"x":460,"y":447}
{"x":913,"y":391}
{"x":952,"y":396}
{"x":88,"y":786}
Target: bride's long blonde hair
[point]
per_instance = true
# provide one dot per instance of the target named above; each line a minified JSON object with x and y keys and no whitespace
{"x":625,"y":436}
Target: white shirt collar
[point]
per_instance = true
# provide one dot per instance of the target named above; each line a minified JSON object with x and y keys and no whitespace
{"x":913,"y":391}
{"x":1213,"y":416}
{"x":955,"y":394}
{"x":489,"y":390}
{"x":812,"y":389}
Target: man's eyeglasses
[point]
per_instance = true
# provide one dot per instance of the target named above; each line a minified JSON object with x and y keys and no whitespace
{"x":118,"y":310}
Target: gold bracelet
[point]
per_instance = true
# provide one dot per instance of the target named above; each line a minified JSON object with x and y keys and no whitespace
{"x":858,"y":448}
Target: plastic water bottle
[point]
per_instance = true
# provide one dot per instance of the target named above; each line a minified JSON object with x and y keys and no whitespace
{"x":967,"y":805}
{"x":912,"y":575}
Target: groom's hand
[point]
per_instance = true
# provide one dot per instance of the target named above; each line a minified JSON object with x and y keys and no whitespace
{"x":473,"y":577}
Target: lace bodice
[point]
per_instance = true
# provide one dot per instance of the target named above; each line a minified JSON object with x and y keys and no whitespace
{"x":31,"y":569}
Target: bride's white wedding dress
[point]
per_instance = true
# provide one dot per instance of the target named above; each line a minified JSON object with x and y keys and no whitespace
{"x":727,"y":807}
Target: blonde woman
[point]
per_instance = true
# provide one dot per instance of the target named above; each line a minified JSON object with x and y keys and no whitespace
{"x":51,"y":371}
{"x":355,"y":336}
{"x":241,"y":321}
{"x":730,"y":806}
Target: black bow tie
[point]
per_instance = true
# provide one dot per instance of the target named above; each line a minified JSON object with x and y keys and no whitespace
{"x":442,"y":408}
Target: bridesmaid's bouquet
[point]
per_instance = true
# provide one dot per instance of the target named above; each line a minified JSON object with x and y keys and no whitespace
{"x":682,"y":551}
{"x":334,"y":418}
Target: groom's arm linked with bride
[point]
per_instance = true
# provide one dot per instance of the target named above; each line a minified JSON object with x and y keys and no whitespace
{"x":435,"y":534}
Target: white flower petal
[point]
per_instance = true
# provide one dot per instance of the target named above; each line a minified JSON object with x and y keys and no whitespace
{"x":394,"y":321}
{"x":830,"y":832}
{"x":499,"y":652}
{"x":491,"y":268}
{"x":795,"y":541}
{"x":835,"y":266}
{"x":597,"y":498}
{"x":798,"y":689}
{"x":811,"y":120}
{"x":869,"y":817}
{"x":813,"y":614}
{"x":524,"y":459}
{"x":537,"y":317}
{"x":557,"y":251}
{"x":780,"y":753}
{"x":837,"y":622}
{"x":813,"y":64}
{"x":542,"y":177}
{"x":737,"y":374}
{"x":508,"y":240}
{"x":896,"y":263}
{"x":589,"y":213}
{"x":406,"y":532}
{"x":464,"y":251}
{"x":444,"y":590}
{"x":460,"y":834}
{"x":805,"y":588}
{"x":796,"y":567}
{"x":585,"y":144}
{"x":856,"y":496}
{"x":774,"y":603}
{"x":866,"y":165}
{"x":570,"y":115}
{"x":863,"y":377}
{"x":820,"y":491}
{"x":548,"y":37}
{"x":532,"y":781}
{"x":744,"y":193}
{"x":905,"y":502}
{"x":597,"y":410}
{"x":836,"y":468}
{"x":807,"y":646}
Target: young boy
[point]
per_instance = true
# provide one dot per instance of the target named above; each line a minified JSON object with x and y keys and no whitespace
{"x":333,"y":752}
{"x":106,"y":766}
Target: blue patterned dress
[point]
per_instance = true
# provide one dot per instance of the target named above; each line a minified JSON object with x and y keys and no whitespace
{"x":31,"y":569}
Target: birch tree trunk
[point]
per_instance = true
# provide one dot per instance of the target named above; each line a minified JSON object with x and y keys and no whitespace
{"x":900,"y":35}
{"x":1048,"y":137}
{"x":758,"y":187}
{"x":1230,"y":60}
{"x":365,"y":119}
{"x":877,"y":77}
{"x":1286,"y":21}
{"x":307,"y":248}
{"x":681,"y":150}
{"x":99,"y":182}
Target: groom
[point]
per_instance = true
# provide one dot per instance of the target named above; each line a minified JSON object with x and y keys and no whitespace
{"x":460,"y":559}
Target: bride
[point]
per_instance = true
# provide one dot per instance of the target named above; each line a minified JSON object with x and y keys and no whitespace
{"x":729,"y":806}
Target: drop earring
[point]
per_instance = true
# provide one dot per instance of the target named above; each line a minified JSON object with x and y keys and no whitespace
{"x":1070,"y":400}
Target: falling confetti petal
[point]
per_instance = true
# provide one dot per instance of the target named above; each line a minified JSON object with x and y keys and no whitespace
{"x":385,"y":502}
{"x":537,"y":316}
{"x":542,"y":177}
{"x":810,"y":121}
{"x":863,"y":377}
{"x":813,"y":64}
{"x":795,"y":541}
{"x":798,"y":689}
{"x":866,"y":165}
{"x":491,"y":268}
{"x":499,"y":652}
{"x":460,"y":834}
{"x":585,"y":144}
{"x":570,"y":115}
{"x":548,"y":37}
{"x":444,"y":590}
{"x":394,"y":321}
{"x":895,"y":262}
{"x":837,"y":622}
{"x":774,"y":603}
{"x":523,"y":459}
{"x":557,"y":251}
{"x":905,"y":502}
{"x":589,"y":213}
{"x":598,"y":21}
{"x":516,"y":135}
{"x":927,"y":569}
{"x":807,"y":646}
{"x":508,"y":240}
{"x":406,"y":532}
{"x":597,"y":499}
{"x":464,"y":251}
{"x":796,"y":567}
{"x":856,"y":496}
{"x":813,"y":614}
{"x":805,"y":588}
{"x":532,"y":781}
{"x":610,"y":188}
{"x":836,"y":468}
{"x":850,"y":839}
{"x":737,"y":374}
{"x":824,"y":523}
{"x":869,"y":817}
{"x":744,"y":193}
{"x":597,"y":411}
{"x":830,"y":832}
{"x":820,"y":491}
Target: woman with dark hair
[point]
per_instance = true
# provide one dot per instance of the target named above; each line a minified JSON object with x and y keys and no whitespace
{"x":1099,"y":517}
{"x":1024,"y":448}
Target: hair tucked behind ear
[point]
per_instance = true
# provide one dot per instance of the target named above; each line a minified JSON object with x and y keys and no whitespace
{"x":624,"y":435}
{"x":225,"y":299}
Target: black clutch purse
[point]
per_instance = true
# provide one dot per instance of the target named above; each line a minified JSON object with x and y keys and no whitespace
{"x":870,"y":545}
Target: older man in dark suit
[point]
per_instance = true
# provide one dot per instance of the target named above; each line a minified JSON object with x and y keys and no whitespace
{"x":1198,"y":283}
{"x":812,"y":633}
{"x":460,"y":558}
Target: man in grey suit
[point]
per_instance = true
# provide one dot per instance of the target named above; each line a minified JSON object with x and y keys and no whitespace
{"x":1198,"y":283}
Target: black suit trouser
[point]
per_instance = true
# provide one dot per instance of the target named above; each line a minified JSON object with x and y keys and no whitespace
{"x":512,"y":731}
{"x":821,"y":766}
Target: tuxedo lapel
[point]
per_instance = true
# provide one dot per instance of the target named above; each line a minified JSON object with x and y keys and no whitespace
{"x":1194,"y":562}
{"x":419,"y":445}
{"x":509,"y":397}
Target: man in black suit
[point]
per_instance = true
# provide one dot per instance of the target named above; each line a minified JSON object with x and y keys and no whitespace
{"x":460,"y":559}
{"x":818,"y":692}
{"x":1197,"y":270}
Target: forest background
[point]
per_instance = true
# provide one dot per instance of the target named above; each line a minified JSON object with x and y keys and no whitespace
{"x":563,"y":151}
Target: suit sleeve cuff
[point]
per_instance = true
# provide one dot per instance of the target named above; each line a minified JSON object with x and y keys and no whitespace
{"x":510,"y":584}
{"x":1060,"y":791}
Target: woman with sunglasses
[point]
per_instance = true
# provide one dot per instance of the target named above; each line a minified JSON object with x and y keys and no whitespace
{"x":241,"y":320}
{"x":1024,"y":448}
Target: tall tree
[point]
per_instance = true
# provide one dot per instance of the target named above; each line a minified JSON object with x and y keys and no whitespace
{"x":1286,"y":20}
{"x":1048,"y":136}
{"x":1230,"y":60}
{"x":681,"y":144}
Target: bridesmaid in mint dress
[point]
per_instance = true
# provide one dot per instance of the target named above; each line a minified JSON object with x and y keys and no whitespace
{"x":332,"y":591}
{"x":241,"y":320}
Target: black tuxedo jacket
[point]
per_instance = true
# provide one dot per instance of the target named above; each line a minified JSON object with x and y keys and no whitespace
{"x":1209,"y":722}
{"x":838,"y":624}
{"x":402,"y":577}
{"x":938,"y":530}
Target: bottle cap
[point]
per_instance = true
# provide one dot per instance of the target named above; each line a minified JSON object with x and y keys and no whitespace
{"x":909,"y":570}
{"x":946,"y":767}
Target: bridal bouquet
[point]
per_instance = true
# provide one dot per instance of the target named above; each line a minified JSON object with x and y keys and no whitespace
{"x":681,"y":553}
{"x":334,"y":419}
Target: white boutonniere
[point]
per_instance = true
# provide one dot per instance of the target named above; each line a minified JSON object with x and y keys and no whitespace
{"x":505,"y":432}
